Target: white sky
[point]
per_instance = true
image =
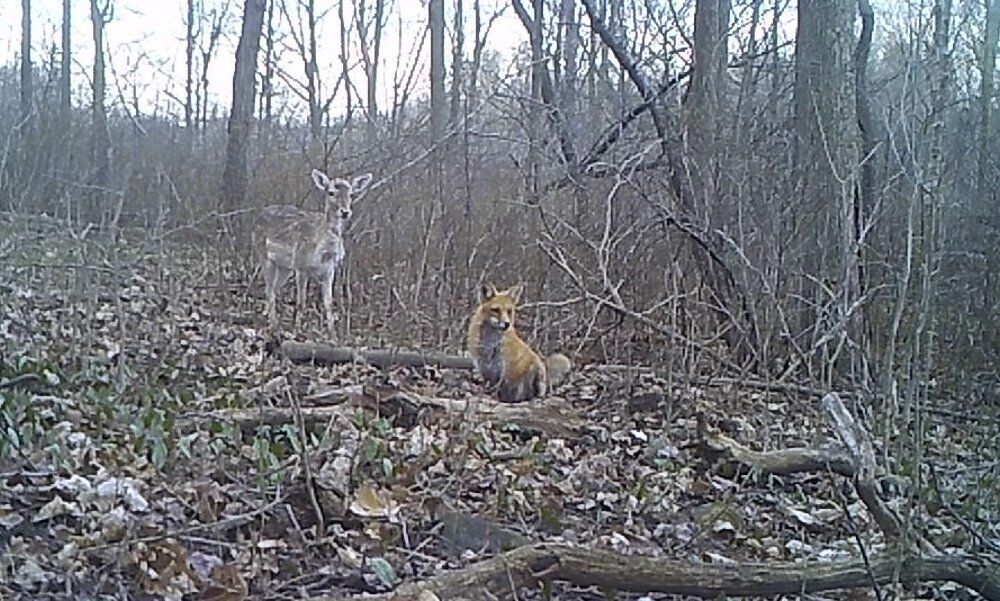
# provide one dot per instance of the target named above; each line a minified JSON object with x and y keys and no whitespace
{"x":146,"y":43}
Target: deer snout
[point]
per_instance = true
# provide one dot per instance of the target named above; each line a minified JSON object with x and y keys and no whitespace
{"x":345,"y":213}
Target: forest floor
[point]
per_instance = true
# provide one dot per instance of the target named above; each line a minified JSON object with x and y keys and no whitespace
{"x":136,"y":460}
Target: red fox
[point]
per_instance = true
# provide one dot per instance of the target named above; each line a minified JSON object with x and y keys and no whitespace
{"x":502,"y":358}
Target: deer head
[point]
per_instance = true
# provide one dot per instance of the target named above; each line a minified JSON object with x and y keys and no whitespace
{"x":340,"y":193}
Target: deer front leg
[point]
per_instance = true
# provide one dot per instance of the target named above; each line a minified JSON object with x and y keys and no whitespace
{"x":301,"y":281}
{"x":274,"y":278}
{"x":327,"y":286}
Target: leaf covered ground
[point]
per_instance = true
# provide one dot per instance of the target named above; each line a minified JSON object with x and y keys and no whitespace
{"x":127,"y":471}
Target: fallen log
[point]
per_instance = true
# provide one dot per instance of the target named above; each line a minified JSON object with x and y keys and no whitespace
{"x":527,"y":566}
{"x":781,"y":462}
{"x":324,"y":354}
{"x":552,"y":416}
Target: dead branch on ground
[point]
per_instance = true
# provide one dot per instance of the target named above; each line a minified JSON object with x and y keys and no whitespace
{"x":551,"y":416}
{"x":325,"y":354}
{"x":528,"y":565}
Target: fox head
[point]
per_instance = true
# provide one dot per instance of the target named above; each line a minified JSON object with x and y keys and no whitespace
{"x":496,"y":307}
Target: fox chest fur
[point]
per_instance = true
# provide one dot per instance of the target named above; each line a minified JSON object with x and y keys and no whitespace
{"x":488,"y":354}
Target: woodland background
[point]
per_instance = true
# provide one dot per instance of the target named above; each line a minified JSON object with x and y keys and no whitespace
{"x":799,"y":194}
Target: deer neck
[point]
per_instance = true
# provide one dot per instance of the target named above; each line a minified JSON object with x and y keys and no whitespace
{"x":332,"y":222}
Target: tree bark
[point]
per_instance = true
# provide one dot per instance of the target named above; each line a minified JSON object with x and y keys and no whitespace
{"x":312,"y":75}
{"x":457,"y":58}
{"x":439,"y":103}
{"x":703,"y":131}
{"x":100,"y":148}
{"x":189,"y":66}
{"x":26,"y":79}
{"x":866,"y":121}
{"x":234,"y":176}
{"x":827,"y":155}
{"x":65,"y":91}
{"x":568,"y":92}
{"x":987,"y":68}
{"x":376,"y":54}
{"x":267,"y":84}
{"x":534,"y":111}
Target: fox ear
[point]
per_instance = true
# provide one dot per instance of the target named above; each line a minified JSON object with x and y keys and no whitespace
{"x":514,"y":292}
{"x":487,"y":292}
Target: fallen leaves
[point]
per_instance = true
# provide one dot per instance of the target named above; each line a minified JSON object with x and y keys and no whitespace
{"x":120,"y":416}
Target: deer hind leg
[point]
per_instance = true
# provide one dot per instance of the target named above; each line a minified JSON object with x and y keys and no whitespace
{"x":327,"y":288}
{"x":301,"y":286}
{"x":275,"y":277}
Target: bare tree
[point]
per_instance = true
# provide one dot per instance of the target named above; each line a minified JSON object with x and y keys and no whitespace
{"x":457,"y":60}
{"x":26,"y":92}
{"x":303,"y":30}
{"x":64,"y":66}
{"x":439,"y":107}
{"x":866,"y":120}
{"x":534,"y":110}
{"x":267,"y":81}
{"x":987,"y":68}
{"x":207,"y":48}
{"x":568,"y":92}
{"x":371,"y":50}
{"x":234,"y":177}
{"x":189,"y":64}
{"x":826,"y":162}
{"x":100,"y":146}
{"x":344,"y":63}
{"x":702,"y":106}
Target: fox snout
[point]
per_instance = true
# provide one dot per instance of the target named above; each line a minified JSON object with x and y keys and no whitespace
{"x":500,"y":324}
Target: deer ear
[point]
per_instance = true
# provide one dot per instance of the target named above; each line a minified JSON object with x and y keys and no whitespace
{"x":360,"y":183}
{"x":514,"y":292}
{"x":487,"y":291}
{"x":321,"y":180}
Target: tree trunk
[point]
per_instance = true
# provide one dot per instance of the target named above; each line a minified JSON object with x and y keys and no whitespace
{"x":267,"y":85}
{"x":534,"y":113}
{"x":26,"y":92}
{"x":439,"y":109}
{"x":827,"y":154}
{"x":457,"y":54}
{"x":373,"y":66}
{"x":344,"y":62}
{"x":987,"y":67}
{"x":703,"y":130}
{"x":568,"y":92}
{"x":206,"y":58}
{"x":189,"y":66}
{"x":65,"y":93}
{"x":234,"y":176}
{"x":100,"y":148}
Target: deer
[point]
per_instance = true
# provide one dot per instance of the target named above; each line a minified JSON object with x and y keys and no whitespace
{"x":308,"y":244}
